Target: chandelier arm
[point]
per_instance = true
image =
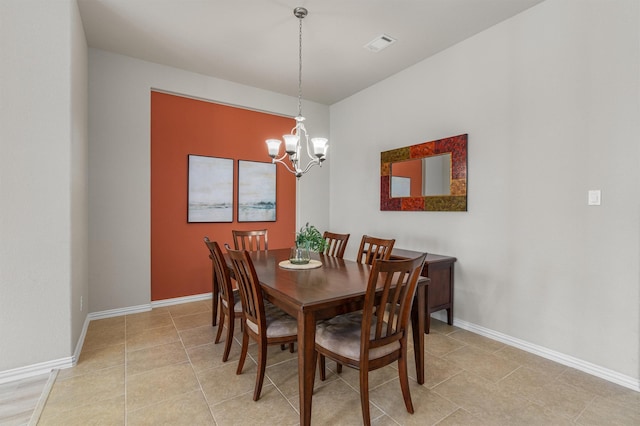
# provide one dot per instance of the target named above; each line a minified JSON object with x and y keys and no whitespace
{"x":310,"y":165}
{"x":279,"y":160}
{"x":303,"y":130}
{"x":309,"y":151}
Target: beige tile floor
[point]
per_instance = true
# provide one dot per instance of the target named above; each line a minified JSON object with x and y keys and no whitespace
{"x":162,"y":367}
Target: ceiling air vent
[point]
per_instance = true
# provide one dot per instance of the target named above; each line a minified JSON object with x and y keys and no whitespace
{"x":379,"y":43}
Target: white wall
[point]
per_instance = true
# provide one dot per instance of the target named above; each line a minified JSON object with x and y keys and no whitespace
{"x":119,"y":166}
{"x":43,"y":129}
{"x":550,"y":100}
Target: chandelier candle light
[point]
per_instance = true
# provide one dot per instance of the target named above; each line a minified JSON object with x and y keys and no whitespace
{"x":293,"y":142}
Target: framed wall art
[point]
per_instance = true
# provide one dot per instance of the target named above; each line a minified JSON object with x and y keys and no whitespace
{"x":210,"y":196}
{"x":256,"y":191}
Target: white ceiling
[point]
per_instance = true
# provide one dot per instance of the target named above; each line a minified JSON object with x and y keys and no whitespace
{"x":255,"y":42}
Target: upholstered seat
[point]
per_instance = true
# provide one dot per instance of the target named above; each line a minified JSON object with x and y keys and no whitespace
{"x":237,"y":304}
{"x":341,"y":335}
{"x":278,"y":322}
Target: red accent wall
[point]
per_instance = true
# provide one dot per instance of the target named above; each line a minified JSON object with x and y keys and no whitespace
{"x":180,"y":126}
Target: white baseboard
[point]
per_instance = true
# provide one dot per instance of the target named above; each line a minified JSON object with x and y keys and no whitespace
{"x":569,"y":361}
{"x":35,"y":369}
{"x":119,"y":312}
{"x":178,"y":300}
{"x":48,"y":366}
{"x":83,"y":333}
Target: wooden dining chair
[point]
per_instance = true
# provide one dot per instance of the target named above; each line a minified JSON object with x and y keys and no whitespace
{"x":263,"y":322}
{"x":377,"y":335}
{"x":230,"y":305}
{"x":374,"y":248}
{"x":250,"y":240}
{"x":336,"y":244}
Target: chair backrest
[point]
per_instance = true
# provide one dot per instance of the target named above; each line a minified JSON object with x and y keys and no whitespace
{"x":221,"y":272}
{"x":249,"y":286}
{"x":336,"y":244}
{"x":390,"y":291}
{"x":372,"y":248}
{"x":250,"y":240}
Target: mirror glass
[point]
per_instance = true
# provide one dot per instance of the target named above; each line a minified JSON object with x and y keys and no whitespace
{"x":421,"y":177}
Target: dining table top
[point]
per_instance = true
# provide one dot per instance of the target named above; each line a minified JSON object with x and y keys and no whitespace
{"x":333,"y":283}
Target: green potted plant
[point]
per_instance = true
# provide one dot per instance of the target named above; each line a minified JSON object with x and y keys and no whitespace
{"x":308,"y":238}
{"x":311,"y":238}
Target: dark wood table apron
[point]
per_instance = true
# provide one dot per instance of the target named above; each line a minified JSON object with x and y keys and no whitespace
{"x":310,"y":295}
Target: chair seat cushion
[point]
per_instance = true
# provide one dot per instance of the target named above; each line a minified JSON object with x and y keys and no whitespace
{"x":279,"y":323}
{"x":341,"y":335}
{"x":237,"y":304}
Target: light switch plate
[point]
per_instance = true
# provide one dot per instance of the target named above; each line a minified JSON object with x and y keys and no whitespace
{"x":594,"y":197}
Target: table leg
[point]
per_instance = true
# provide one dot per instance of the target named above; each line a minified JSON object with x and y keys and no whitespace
{"x":417,"y":322}
{"x":306,"y":363}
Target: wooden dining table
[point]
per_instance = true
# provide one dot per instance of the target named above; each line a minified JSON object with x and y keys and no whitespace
{"x":309,"y":295}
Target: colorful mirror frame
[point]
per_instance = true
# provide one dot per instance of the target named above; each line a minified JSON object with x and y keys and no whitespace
{"x":456,"y":201}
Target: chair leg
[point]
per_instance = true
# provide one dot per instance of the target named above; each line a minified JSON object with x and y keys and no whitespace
{"x":291,"y":350}
{"x":220,"y":326}
{"x":339,"y":368}
{"x":364,"y":396}
{"x":215,"y":307}
{"x":227,"y":343}
{"x":322,"y":366}
{"x":243,"y":353}
{"x":262,"y":365}
{"x":404,"y":383}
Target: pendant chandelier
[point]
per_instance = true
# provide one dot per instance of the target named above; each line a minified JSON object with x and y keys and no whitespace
{"x":293,"y":142}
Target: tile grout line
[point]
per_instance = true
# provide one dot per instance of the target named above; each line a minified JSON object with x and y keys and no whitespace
{"x":204,"y":395}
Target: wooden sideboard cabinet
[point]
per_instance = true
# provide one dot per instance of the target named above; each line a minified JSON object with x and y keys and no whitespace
{"x":439,"y":294}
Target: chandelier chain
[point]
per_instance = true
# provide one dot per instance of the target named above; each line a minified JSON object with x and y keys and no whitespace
{"x":300,"y":67}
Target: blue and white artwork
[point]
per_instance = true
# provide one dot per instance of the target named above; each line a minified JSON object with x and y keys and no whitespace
{"x":256,"y":191}
{"x":210,"y":189}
